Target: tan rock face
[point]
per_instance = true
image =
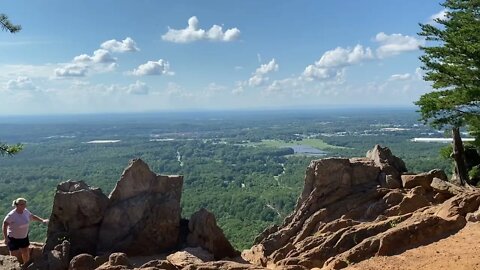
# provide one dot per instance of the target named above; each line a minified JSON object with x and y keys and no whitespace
{"x":204,"y":232}
{"x":423,"y":179}
{"x":116,"y":261}
{"x":347,"y":214}
{"x":144,"y":210}
{"x":59,"y":257}
{"x":386,"y":161}
{"x":330,"y":191}
{"x":76,"y":215}
{"x":182,"y":259}
{"x":158,"y":264}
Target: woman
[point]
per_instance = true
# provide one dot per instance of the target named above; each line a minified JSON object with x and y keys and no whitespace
{"x":15,"y":229}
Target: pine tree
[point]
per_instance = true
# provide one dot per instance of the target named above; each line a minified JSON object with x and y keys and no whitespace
{"x":452,"y":64}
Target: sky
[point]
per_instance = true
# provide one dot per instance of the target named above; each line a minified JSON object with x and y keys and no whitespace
{"x":114,"y":56}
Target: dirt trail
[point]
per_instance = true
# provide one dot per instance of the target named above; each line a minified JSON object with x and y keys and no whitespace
{"x":459,"y":252}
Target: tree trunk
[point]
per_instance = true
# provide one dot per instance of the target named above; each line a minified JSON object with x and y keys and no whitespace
{"x":459,"y":157}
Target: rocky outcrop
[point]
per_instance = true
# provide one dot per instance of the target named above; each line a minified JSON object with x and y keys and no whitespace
{"x":141,"y":216}
{"x":76,"y":216}
{"x":59,"y":257}
{"x":346,"y":214}
{"x":144,"y":210}
{"x":333,"y":187}
{"x":204,"y":232}
{"x":116,"y":261}
{"x":82,"y":262}
{"x":388,"y":163}
{"x":187,"y":257}
{"x":423,"y":179}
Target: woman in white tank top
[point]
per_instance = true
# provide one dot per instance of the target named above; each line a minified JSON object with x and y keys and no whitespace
{"x":15,"y":229}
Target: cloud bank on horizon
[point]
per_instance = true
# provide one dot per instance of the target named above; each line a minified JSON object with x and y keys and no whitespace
{"x":216,"y":67}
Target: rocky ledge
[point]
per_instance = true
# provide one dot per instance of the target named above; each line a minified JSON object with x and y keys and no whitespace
{"x":353,"y":209}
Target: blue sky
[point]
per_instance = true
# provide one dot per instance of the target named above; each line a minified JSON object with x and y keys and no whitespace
{"x":136,"y":56}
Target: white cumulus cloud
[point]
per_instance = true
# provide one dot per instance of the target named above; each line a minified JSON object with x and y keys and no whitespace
{"x":101,"y":60}
{"x":193,"y":33}
{"x":340,"y":57}
{"x":259,"y":77}
{"x":126,"y":45}
{"x":71,"y":70}
{"x":160,"y":67}
{"x":20,"y":83}
{"x":99,"y":56}
{"x":332,"y":62}
{"x":396,"y":43}
{"x":138,"y":88}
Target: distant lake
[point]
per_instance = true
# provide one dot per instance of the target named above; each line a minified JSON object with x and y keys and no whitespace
{"x":103,"y":141}
{"x":307,"y":150}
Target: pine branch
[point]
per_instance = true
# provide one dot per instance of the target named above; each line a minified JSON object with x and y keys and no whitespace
{"x":6,"y":25}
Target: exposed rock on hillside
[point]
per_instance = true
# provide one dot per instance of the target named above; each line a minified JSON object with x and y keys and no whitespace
{"x":141,"y":216}
{"x":76,"y":216}
{"x":144,"y":210}
{"x":347,"y":214}
{"x":204,"y":232}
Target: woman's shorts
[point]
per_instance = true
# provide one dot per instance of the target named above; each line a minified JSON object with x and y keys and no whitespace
{"x":16,"y":244}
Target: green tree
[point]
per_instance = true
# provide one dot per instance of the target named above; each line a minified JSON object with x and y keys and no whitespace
{"x":452,"y":64}
{"x":6,"y":25}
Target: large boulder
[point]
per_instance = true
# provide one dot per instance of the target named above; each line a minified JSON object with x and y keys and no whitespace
{"x":116,"y":261}
{"x":144,"y":211}
{"x":422,"y":179}
{"x":204,"y":232}
{"x":82,"y":262}
{"x":183,"y":258}
{"x":59,"y":257}
{"x":333,"y":187}
{"x":335,"y":177}
{"x":76,"y":215}
{"x":158,"y":264}
{"x":386,"y":161}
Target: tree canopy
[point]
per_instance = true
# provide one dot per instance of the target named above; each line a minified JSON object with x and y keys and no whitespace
{"x":452,"y":64}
